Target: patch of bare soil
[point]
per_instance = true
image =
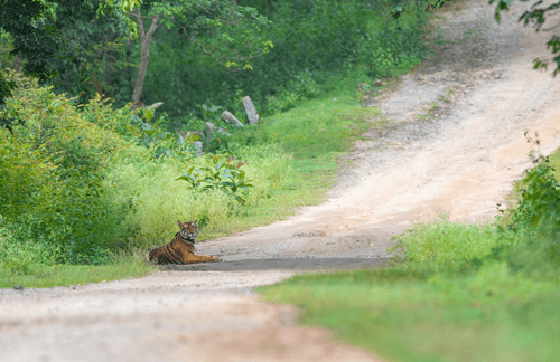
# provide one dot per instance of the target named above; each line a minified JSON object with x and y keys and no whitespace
{"x":453,"y":142}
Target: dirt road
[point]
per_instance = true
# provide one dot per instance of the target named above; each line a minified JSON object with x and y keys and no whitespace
{"x":461,"y":159}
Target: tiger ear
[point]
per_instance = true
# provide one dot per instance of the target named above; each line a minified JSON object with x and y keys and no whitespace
{"x":179,"y":223}
{"x":195,"y":221}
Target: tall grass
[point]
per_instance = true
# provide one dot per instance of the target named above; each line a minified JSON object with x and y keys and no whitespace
{"x":161,"y":199}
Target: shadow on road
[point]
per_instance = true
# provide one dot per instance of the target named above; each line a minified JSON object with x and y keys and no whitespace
{"x":285,"y":264}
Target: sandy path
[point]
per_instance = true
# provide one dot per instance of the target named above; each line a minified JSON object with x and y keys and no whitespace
{"x":462,"y":161}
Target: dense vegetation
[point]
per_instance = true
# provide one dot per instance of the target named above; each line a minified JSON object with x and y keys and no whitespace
{"x":314,"y":44}
{"x":86,"y":179}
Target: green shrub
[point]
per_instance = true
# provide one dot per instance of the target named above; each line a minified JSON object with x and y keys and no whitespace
{"x":221,"y":172}
{"x":21,"y":252}
{"x":53,"y":175}
{"x":531,"y":242}
{"x":443,"y":245}
{"x":26,"y":178}
{"x":160,"y":200}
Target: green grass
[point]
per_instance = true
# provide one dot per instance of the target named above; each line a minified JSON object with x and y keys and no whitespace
{"x":66,"y":275}
{"x":491,"y":315}
{"x":459,"y":293}
{"x":293,"y":163}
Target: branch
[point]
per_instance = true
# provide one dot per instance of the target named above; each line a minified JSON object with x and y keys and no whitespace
{"x":211,"y":54}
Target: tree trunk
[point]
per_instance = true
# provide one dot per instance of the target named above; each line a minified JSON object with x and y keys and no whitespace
{"x":145,"y":55}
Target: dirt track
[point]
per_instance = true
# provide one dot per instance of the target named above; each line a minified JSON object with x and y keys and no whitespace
{"x":462,"y":161}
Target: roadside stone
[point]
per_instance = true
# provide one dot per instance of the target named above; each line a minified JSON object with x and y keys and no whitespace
{"x":198,"y":148}
{"x":228,"y":117}
{"x":250,"y":110}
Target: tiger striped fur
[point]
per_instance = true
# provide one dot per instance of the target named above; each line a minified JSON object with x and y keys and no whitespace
{"x":182,"y":249}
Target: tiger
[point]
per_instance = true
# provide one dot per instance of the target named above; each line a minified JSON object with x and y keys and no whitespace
{"x":182,"y":249}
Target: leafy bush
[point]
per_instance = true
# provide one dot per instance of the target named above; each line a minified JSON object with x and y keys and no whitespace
{"x":21,"y":252}
{"x":219,"y":173}
{"x":137,"y":127}
{"x":160,"y":199}
{"x":52,"y":182}
{"x":532,"y":240}
{"x":26,"y":178}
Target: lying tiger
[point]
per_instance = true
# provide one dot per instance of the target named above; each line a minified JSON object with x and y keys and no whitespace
{"x":182,"y":249}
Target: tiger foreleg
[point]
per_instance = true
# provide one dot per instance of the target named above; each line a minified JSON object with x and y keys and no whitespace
{"x":194,"y":259}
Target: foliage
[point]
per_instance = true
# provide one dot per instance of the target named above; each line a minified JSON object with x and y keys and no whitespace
{"x":5,"y":88}
{"x":316,"y":44}
{"x":220,"y":173}
{"x":307,"y":60}
{"x":443,"y":245}
{"x":162,"y":201}
{"x":38,"y":35}
{"x":21,"y":252}
{"x":196,"y":121}
{"x":531,"y":241}
{"x":55,"y":164}
{"x":228,"y":32}
{"x":137,"y":127}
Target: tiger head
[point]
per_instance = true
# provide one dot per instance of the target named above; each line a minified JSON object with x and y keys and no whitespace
{"x":188,"y":230}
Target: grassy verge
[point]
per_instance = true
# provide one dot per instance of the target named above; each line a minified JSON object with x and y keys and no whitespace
{"x":460,"y":293}
{"x":314,"y":135}
{"x":38,"y":276}
{"x":491,"y":315}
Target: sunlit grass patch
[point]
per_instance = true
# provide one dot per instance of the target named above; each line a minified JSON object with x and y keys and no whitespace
{"x":493,"y":315}
{"x":442,"y":244}
{"x":46,"y":276}
{"x":65,"y":275}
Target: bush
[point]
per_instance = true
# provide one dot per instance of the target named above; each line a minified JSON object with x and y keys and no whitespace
{"x":21,"y":253}
{"x":161,"y":200}
{"x":531,"y":241}
{"x":443,"y":245}
{"x":52,"y":174}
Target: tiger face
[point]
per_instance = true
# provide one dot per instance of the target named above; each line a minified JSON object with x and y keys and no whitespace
{"x":188,"y":230}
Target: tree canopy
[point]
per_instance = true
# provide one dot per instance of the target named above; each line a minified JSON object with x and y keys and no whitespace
{"x":55,"y":37}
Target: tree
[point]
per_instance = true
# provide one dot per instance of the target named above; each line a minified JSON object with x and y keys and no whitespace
{"x":32,"y":24}
{"x":537,"y":16}
{"x":53,"y":45}
{"x":145,"y":38}
{"x":35,"y":26}
{"x":223,"y":30}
